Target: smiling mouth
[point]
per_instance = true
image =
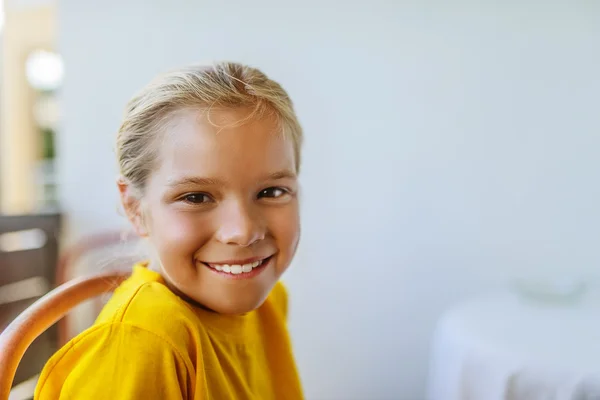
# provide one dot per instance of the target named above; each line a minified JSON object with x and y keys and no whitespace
{"x":241,"y":269}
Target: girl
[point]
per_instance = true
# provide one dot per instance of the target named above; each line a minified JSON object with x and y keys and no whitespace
{"x":208,"y":158}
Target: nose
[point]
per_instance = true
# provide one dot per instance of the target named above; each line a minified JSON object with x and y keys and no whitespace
{"x":240,"y":225}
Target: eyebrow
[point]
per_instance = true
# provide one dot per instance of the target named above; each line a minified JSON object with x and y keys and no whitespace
{"x":194,"y":180}
{"x":285,"y":174}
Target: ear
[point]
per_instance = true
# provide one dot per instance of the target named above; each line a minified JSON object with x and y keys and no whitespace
{"x":132,"y":206}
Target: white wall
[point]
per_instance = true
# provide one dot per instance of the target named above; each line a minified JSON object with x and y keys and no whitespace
{"x":449,"y":148}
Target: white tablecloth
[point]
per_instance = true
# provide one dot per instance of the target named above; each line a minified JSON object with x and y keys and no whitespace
{"x":505,"y":347}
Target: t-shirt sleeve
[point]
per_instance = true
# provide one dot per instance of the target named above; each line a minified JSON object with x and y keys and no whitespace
{"x":117,"y":361}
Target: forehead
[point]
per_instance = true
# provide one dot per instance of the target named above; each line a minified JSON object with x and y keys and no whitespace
{"x":227,"y":144}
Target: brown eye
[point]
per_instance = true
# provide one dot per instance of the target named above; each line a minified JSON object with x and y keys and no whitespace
{"x":272,"y":193}
{"x":197,"y":198}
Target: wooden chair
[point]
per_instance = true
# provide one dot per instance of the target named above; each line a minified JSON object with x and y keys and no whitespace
{"x":107,"y":251}
{"x":41,"y":315}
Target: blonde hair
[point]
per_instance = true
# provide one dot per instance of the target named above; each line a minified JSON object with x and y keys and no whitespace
{"x":225,"y":84}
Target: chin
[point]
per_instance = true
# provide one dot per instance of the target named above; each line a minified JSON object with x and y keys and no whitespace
{"x":237,"y":306}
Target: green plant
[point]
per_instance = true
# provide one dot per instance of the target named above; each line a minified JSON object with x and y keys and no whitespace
{"x":48,"y":150}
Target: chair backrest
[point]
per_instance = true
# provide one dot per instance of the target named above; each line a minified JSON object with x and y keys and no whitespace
{"x":35,"y":251}
{"x":28,"y":259}
{"x":41,"y":315}
{"x":107,"y":251}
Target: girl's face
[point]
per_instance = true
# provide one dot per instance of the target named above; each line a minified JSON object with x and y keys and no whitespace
{"x":221,"y":210}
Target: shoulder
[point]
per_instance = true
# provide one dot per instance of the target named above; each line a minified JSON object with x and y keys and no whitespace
{"x":152,"y":307}
{"x":93,"y":361}
{"x":143,"y":321}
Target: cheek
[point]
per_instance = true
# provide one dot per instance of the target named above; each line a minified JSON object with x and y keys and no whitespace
{"x":285,"y":227}
{"x":177,"y":233}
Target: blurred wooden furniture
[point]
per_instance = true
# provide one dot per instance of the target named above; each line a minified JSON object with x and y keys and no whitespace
{"x":28,"y":259}
{"x":42,"y":314}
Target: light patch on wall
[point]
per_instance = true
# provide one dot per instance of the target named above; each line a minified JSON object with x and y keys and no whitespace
{"x":29,"y":239}
{"x":45,"y":70}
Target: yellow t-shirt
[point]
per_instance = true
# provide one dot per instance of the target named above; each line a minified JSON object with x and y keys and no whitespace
{"x":150,"y":344}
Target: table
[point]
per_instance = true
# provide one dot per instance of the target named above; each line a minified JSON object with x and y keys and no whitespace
{"x":506,"y":346}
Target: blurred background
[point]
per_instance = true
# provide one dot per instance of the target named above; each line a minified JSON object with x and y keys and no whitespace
{"x":451,"y":149}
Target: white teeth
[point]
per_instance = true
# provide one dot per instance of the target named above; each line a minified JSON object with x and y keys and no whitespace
{"x":236,"y":269}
